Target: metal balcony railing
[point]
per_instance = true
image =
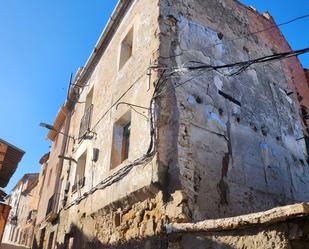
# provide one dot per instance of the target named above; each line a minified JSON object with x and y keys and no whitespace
{"x":51,"y":211}
{"x":85,"y":122}
{"x":79,"y":184}
{"x":50,"y":204}
{"x":13,"y":220}
{"x":29,"y":217}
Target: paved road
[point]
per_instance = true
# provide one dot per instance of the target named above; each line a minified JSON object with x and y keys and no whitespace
{"x":9,"y":246}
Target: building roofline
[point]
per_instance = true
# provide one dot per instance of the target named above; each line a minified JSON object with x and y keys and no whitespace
{"x":10,"y":158}
{"x":22,"y":179}
{"x":44,"y":158}
{"x":105,"y":37}
{"x":12,"y":146}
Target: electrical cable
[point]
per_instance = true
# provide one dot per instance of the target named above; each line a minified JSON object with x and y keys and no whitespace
{"x":116,"y":102}
{"x":246,"y":36}
{"x":158,"y":85}
{"x":261,"y":31}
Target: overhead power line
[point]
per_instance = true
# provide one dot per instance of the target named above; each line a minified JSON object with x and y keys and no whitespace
{"x":237,"y":67}
{"x":243,"y":65}
{"x":262,"y":30}
{"x":160,"y":83}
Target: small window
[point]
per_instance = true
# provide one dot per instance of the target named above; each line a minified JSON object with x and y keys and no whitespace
{"x":117,"y":219}
{"x":86,"y":119}
{"x":80,"y":172}
{"x":89,"y":100}
{"x":121,"y":140}
{"x":126,"y":49}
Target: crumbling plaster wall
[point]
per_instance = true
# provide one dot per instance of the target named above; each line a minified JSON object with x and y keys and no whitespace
{"x":232,"y":159}
{"x":292,"y":234}
{"x":297,"y":84}
{"x":137,"y":222}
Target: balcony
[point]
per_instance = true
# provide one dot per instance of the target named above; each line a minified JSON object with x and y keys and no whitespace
{"x":51,"y":212}
{"x":85,"y":122}
{"x":13,"y":220}
{"x":31,"y":216}
{"x":78,"y":185}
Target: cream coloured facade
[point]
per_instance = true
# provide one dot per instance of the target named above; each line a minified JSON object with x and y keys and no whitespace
{"x":24,"y":205}
{"x":145,"y":143}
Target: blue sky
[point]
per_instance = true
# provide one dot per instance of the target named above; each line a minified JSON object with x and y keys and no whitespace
{"x":42,"y":42}
{"x":296,"y":33}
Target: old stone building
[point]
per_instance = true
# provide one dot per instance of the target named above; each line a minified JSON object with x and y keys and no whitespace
{"x":23,"y":201}
{"x":10,"y":156}
{"x":49,"y":180}
{"x":156,"y":131}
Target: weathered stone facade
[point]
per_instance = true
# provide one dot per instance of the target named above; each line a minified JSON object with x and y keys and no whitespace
{"x":219,"y":146}
{"x":291,"y":234}
{"x":24,"y":205}
{"x":232,"y":153}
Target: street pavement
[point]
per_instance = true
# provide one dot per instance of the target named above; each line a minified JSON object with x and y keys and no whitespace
{"x":10,"y":246}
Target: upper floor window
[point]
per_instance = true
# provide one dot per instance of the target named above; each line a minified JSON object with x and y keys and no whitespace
{"x":121,"y":140}
{"x":89,"y":100}
{"x":126,"y":48}
{"x":79,"y":181}
{"x":86,"y":119}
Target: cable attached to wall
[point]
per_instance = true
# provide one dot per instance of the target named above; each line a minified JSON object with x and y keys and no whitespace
{"x":164,"y":74}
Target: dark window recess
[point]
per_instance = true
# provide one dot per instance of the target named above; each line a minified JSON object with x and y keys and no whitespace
{"x":85,"y":122}
{"x":50,"y":240}
{"x":95,"y":154}
{"x":13,"y":220}
{"x":50,"y":205}
{"x":29,"y":217}
{"x":117,"y":219}
{"x":42,"y":238}
{"x":230,"y":98}
{"x":126,"y":142}
{"x":220,"y":35}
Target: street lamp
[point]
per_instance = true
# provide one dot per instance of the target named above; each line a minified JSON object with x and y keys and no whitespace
{"x":71,"y":159}
{"x":52,"y":128}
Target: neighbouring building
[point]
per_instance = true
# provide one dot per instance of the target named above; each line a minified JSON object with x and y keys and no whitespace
{"x":10,"y":156}
{"x":23,"y":201}
{"x":154,"y":137}
{"x":50,"y":182}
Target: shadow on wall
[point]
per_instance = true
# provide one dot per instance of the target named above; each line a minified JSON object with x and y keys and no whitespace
{"x":290,"y":234}
{"x":78,"y":240}
{"x":10,"y":246}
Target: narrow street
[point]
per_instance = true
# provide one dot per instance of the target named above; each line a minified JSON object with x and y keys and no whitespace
{"x":154,"y":124}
